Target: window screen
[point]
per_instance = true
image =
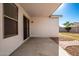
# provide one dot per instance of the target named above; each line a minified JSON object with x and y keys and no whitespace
{"x":10,"y":11}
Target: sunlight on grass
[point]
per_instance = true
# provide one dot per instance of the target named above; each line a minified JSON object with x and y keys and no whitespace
{"x":74,"y":36}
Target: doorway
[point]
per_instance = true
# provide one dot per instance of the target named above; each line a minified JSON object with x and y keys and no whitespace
{"x":26,"y":28}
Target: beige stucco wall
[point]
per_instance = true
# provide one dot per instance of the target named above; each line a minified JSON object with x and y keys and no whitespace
{"x":8,"y":45}
{"x":44,"y":27}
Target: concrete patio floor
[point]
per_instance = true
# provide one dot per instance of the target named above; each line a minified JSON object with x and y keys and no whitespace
{"x":37,"y":47}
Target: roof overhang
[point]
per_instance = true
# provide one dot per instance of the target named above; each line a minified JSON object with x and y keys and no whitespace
{"x":40,"y":9}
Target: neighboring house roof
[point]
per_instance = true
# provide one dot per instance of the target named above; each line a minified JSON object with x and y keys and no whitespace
{"x":75,"y":24}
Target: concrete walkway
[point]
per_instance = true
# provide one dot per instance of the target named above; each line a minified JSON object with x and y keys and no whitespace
{"x":37,"y":47}
{"x":63,"y":52}
{"x":64,"y":44}
{"x":70,"y":46}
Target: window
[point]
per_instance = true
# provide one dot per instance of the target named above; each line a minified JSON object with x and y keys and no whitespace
{"x":11,"y":10}
{"x":10,"y":14}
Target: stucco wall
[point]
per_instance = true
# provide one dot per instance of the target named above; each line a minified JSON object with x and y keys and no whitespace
{"x":44,"y":27}
{"x":8,"y":45}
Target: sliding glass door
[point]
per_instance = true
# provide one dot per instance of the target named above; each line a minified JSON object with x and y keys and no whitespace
{"x":25,"y":27}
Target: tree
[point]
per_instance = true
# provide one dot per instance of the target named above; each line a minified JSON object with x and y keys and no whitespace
{"x":67,"y":26}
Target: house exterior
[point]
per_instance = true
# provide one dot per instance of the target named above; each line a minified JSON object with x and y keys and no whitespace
{"x":41,"y":25}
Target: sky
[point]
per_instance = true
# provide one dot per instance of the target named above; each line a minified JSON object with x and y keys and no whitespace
{"x":69,"y":12}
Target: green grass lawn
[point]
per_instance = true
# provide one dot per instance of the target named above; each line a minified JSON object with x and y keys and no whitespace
{"x":74,"y":36}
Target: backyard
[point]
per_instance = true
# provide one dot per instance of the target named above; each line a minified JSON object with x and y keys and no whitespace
{"x":69,"y":36}
{"x":69,"y":42}
{"x":69,"y":28}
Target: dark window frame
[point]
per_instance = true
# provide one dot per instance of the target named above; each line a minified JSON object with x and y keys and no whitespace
{"x":11,"y":19}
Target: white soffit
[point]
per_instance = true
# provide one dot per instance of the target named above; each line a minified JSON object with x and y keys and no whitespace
{"x":40,"y":9}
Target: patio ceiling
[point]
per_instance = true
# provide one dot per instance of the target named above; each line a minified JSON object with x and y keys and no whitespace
{"x":40,"y":9}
